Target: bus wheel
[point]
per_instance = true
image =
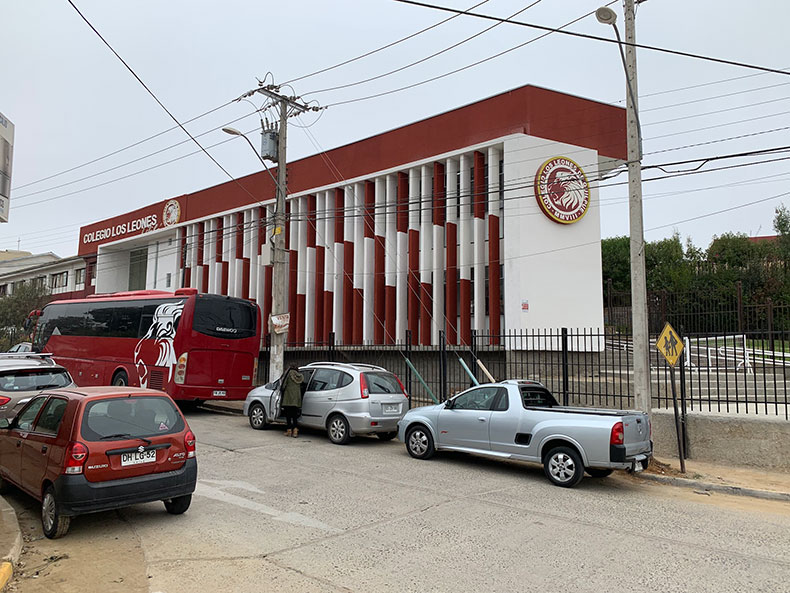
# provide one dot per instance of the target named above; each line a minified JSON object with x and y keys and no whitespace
{"x":120,"y":379}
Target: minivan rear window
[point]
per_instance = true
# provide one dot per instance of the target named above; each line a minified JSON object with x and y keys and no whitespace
{"x":130,"y":417}
{"x":224,"y":317}
{"x":34,"y":380}
{"x":382,"y":383}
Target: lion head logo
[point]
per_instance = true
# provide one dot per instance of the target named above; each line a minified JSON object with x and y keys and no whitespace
{"x":562,"y":190}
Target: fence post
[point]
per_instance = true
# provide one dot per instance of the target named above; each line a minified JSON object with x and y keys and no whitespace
{"x":683,"y":425}
{"x":473,"y":348}
{"x":739,"y":294}
{"x":408,"y":370}
{"x":564,"y":366}
{"x":330,"y":346}
{"x":771,"y":324}
{"x":442,"y":365}
{"x":609,"y":301}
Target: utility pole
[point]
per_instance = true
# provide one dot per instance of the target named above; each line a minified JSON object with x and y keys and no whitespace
{"x":288,"y":106}
{"x":280,"y":271}
{"x":636,"y":223}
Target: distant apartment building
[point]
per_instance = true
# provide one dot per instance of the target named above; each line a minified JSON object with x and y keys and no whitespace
{"x":62,"y":277}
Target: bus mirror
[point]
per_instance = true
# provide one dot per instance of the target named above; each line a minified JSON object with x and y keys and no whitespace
{"x":31,"y":319}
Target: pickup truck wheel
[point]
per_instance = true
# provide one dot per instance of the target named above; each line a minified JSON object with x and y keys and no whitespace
{"x":598,"y":472}
{"x":419,"y":442}
{"x":53,"y":523}
{"x":563,"y":467}
{"x":257,"y":416}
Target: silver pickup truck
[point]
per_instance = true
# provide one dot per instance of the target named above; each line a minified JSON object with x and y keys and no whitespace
{"x":519,"y":419}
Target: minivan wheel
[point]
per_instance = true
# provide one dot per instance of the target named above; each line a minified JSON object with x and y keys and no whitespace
{"x":120,"y":379}
{"x":53,"y":523}
{"x":563,"y":467}
{"x":178,"y":505}
{"x":419,"y":442}
{"x":386,"y":436}
{"x":338,"y":429}
{"x":257,"y":416}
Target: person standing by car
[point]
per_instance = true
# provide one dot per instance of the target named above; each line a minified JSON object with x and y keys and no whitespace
{"x":292,"y":400}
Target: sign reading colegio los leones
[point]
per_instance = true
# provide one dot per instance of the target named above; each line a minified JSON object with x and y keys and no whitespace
{"x":142,"y":221}
{"x":562,"y":190}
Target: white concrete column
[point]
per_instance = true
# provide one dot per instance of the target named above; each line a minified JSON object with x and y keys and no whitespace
{"x":359,"y":246}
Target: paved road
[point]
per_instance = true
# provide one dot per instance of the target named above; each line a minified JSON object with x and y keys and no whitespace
{"x":277,"y":514}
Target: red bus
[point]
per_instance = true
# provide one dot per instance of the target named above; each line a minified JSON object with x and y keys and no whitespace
{"x":192,"y":346}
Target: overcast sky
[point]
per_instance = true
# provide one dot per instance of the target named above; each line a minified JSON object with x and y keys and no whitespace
{"x":72,"y":101}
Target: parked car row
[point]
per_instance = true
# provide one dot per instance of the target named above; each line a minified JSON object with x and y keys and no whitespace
{"x":81,"y":450}
{"x":512,"y":419}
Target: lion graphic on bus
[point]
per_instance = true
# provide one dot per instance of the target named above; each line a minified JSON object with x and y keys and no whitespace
{"x":155,"y":348}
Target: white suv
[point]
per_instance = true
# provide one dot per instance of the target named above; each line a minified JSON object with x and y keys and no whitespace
{"x":24,"y":375}
{"x":345,"y":399}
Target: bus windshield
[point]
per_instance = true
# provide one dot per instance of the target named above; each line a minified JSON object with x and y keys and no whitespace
{"x":224,"y":317}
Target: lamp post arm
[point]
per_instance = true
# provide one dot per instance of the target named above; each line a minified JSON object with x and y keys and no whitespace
{"x":630,"y":88}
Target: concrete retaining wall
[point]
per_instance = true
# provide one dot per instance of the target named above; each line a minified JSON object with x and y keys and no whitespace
{"x":727,"y":439}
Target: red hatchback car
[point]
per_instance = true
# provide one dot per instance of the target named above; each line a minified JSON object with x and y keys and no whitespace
{"x":83,"y":450}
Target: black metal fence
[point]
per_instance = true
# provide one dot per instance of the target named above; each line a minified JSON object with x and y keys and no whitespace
{"x":737,"y":373}
{"x":709,"y":312}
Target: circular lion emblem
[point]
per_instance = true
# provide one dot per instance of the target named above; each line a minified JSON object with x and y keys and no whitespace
{"x":562,"y":190}
{"x":172,"y":213}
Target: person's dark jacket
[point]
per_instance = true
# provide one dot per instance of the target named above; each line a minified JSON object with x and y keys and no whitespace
{"x":292,"y":391}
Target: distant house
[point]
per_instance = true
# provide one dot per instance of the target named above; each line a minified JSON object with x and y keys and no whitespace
{"x":62,"y":277}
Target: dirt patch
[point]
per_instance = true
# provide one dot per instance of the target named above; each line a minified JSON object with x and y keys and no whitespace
{"x":664,"y":469}
{"x":100,"y":552}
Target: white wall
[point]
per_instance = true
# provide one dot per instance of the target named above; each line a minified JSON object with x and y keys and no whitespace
{"x":112,"y":271}
{"x":555,"y":267}
{"x":163,"y":257}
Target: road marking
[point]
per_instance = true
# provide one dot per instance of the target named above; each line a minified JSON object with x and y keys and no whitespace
{"x":216,"y":493}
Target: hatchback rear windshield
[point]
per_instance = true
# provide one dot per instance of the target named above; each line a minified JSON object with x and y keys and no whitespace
{"x":34,"y":380}
{"x":224,"y":317}
{"x":130,"y":417}
{"x":382,"y":383}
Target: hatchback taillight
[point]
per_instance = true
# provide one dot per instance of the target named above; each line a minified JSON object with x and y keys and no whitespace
{"x":364,"y":393}
{"x":189,"y":444}
{"x":402,"y":388}
{"x":617,"y":434}
{"x":4,"y":400}
{"x":76,"y":456}
{"x":181,"y":369}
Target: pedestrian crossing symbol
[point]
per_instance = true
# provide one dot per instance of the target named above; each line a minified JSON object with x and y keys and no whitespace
{"x":670,"y":345}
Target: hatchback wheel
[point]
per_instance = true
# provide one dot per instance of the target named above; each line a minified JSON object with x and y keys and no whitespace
{"x":419,"y":442}
{"x":338,"y":429}
{"x":53,"y":523}
{"x":5,"y":486}
{"x":257,"y":416}
{"x":563,"y":467}
{"x":178,"y":505}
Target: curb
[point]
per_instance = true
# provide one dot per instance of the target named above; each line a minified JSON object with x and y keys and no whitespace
{"x":721,"y":488}
{"x":9,"y":525}
{"x":218,"y":407}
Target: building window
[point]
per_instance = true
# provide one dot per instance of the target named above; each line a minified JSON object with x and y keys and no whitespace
{"x":40,"y":282}
{"x":79,"y":276}
{"x":59,"y":280}
{"x":3,"y":289}
{"x":168,"y":279}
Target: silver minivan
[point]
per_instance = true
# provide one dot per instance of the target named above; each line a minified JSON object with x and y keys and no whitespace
{"x":346,"y":399}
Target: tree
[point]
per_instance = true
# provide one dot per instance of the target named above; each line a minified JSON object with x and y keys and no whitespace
{"x":15,"y":308}
{"x":616,"y":262}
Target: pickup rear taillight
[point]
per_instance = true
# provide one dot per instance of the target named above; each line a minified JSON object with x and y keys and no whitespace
{"x":189,"y":444}
{"x":402,"y":388}
{"x":181,"y":369}
{"x":364,"y":392}
{"x":617,"y":434}
{"x":76,"y":456}
{"x":4,"y":400}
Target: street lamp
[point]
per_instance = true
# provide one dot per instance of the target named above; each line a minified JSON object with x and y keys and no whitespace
{"x":641,"y":337}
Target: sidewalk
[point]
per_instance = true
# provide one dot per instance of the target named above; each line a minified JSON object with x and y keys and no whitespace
{"x":10,"y":542}
{"x":707,"y":477}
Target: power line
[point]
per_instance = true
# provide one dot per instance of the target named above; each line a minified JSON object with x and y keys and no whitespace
{"x":421,"y":60}
{"x":598,"y":38}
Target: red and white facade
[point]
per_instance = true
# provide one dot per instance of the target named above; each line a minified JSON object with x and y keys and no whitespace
{"x":433,"y":227}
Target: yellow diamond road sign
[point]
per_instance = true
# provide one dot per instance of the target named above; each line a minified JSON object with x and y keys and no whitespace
{"x":670,"y":345}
